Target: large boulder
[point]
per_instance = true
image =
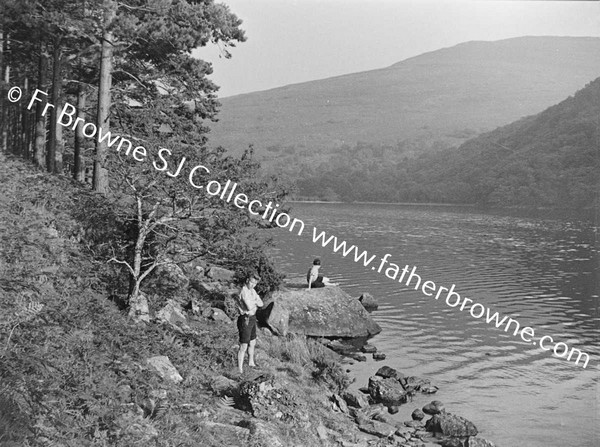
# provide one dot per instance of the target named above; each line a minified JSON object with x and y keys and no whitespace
{"x":387,"y":391}
{"x":163,"y":366}
{"x":220,"y":274}
{"x":323,"y":312}
{"x":170,"y":277}
{"x":172,"y":313}
{"x":451,"y":425}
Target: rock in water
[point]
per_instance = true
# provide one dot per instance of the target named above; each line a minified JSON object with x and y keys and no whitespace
{"x":451,"y":425}
{"x":417,"y":415}
{"x":323,"y":312}
{"x":368,"y":349}
{"x":368,"y":302}
{"x":386,"y":372}
{"x":474,"y":441}
{"x":433,"y":408}
{"x":378,"y":356}
{"x":387,"y":391}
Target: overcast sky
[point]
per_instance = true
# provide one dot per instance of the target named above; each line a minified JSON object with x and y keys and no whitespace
{"x":291,"y":41}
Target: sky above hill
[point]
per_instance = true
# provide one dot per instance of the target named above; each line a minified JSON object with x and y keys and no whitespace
{"x":291,"y":41}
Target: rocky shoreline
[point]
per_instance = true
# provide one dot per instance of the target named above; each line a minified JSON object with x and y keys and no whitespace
{"x":332,"y":317}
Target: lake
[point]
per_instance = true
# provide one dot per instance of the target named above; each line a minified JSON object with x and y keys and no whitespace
{"x":541,"y":270}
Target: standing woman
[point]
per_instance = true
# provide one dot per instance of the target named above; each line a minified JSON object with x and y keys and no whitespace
{"x":248,"y":303}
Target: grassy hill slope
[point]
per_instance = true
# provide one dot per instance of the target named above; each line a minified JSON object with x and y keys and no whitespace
{"x":550,"y":159}
{"x":73,"y":367}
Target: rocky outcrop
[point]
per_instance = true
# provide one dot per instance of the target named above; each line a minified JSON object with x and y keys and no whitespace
{"x":220,"y":274}
{"x":170,"y":277}
{"x":324,"y":312}
{"x":387,"y":391}
{"x":448,"y":424}
{"x":172,"y":313}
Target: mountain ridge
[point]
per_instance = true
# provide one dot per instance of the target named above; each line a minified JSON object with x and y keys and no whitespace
{"x":424,"y":100}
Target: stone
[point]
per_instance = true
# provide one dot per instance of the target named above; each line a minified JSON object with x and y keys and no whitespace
{"x":451,"y":425}
{"x":383,"y":417}
{"x":322,"y":432}
{"x":475,"y":441}
{"x":341,"y":403}
{"x":216,"y":314}
{"x":165,"y":368}
{"x":171,"y":277}
{"x":433,"y":408}
{"x":387,"y":391}
{"x":378,"y":356}
{"x":371,"y":411}
{"x":415,"y":424}
{"x":393,"y":409}
{"x":377,"y":428}
{"x":417,"y":415}
{"x":453,"y":442}
{"x":355,"y":399}
{"x":220,"y":274}
{"x":323,"y":312}
{"x":368,"y":349}
{"x":220,"y":384}
{"x":340,"y":348}
{"x":205,"y":288}
{"x":386,"y":372}
{"x":171,"y":313}
{"x":359,"y":357}
{"x":138,"y":308}
{"x":368,"y":302}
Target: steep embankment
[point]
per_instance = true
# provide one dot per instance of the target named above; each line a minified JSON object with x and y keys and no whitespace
{"x":437,"y":99}
{"x":74,"y":369}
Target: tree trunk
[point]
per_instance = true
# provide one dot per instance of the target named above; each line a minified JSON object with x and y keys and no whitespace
{"x":6,"y":77}
{"x":25,"y":117}
{"x":55,"y":143}
{"x":40,"y":122}
{"x":78,"y":162}
{"x":2,"y":93}
{"x":100,"y":180}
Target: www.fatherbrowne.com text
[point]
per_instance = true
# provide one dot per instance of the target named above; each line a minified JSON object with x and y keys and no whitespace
{"x":408,"y":276}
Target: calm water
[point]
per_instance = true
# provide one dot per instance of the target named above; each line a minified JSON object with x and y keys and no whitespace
{"x":541,"y":271}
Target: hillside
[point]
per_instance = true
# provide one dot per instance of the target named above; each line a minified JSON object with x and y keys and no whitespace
{"x":432,"y":101}
{"x":550,"y":159}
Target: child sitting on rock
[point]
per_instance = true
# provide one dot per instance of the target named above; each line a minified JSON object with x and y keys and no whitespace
{"x":314,"y":279}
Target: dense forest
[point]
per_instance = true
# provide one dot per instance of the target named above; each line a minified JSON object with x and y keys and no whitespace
{"x":549,"y":160}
